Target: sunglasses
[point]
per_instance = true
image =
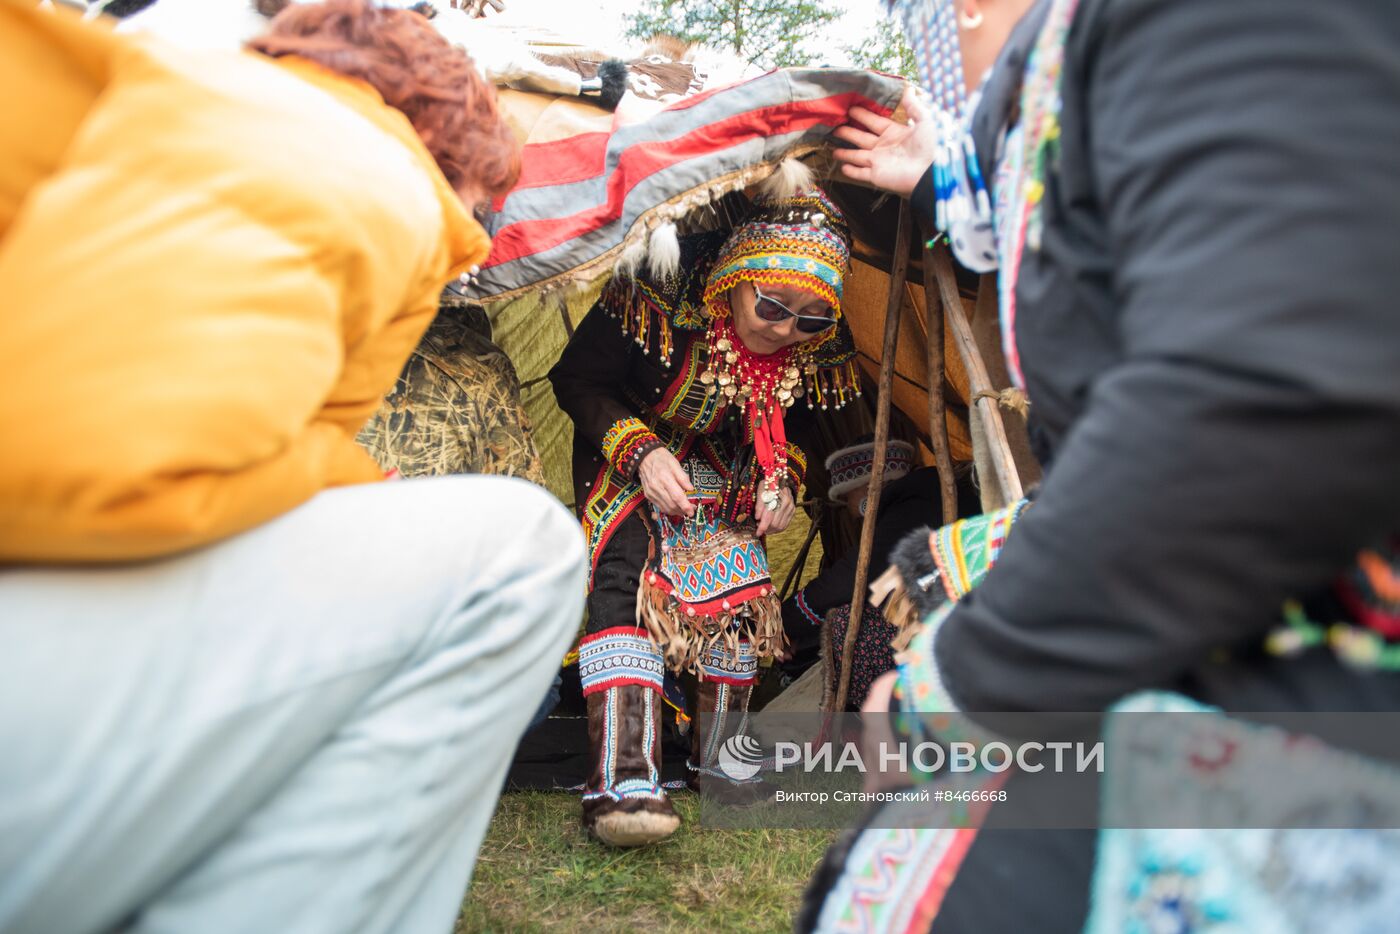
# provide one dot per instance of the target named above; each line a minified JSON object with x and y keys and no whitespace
{"x":770,"y":309}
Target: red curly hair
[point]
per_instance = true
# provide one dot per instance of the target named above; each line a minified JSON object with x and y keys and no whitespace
{"x":416,"y":71}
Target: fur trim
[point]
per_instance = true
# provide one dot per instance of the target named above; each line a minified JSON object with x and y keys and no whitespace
{"x":898,"y":592}
{"x":685,"y":639}
{"x":666,"y":46}
{"x":639,"y":825}
{"x":614,"y":76}
{"x":664,"y":255}
{"x":631,"y":259}
{"x":789,"y":179}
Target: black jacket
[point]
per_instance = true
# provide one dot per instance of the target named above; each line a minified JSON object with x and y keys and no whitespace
{"x":612,"y":374}
{"x":1211,"y":342}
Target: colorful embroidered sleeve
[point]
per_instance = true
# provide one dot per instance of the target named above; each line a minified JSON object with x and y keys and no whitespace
{"x":590,"y":376}
{"x":797,"y":466}
{"x":920,"y":688}
{"x":805,"y":608}
{"x":964,"y":551}
{"x":627,"y":442}
{"x":1139,"y":562}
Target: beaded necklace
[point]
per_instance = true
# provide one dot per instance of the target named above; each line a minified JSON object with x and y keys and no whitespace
{"x":762,"y":385}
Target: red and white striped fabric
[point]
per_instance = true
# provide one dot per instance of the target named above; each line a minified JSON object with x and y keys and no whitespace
{"x":579,"y":197}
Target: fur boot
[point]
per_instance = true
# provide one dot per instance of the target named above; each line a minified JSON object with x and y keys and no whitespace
{"x":724,"y":760}
{"x":621,"y":670}
{"x":625,"y":805}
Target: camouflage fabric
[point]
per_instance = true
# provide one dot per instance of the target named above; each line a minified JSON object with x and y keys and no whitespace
{"x":455,"y":408}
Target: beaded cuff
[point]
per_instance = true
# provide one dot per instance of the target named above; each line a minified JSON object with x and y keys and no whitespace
{"x":719,"y":664}
{"x":627,"y":442}
{"x":921,"y":685}
{"x":923,"y":709}
{"x":966,"y":550}
{"x":619,"y":656}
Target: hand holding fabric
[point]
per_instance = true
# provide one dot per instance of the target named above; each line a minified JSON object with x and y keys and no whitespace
{"x":887,"y":154}
{"x":665,"y":483}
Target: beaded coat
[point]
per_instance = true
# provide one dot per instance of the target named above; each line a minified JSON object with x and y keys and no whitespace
{"x":631,"y":381}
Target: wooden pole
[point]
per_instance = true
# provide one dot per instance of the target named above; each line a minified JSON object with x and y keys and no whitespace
{"x":898,"y":274}
{"x":937,"y":413}
{"x":983,"y":395}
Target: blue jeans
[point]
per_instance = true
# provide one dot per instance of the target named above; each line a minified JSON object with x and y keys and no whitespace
{"x":301,"y":728}
{"x":551,"y":700}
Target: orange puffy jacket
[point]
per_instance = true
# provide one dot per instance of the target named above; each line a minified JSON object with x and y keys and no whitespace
{"x":212,"y":266}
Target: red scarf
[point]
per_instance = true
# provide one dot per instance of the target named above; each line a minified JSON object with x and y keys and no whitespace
{"x":762,"y":374}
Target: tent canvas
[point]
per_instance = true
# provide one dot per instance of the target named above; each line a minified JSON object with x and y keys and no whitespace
{"x":595,"y":195}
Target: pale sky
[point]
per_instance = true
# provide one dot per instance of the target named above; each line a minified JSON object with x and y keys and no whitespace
{"x":599,"y":22}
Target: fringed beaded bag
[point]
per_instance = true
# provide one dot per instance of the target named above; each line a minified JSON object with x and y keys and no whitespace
{"x":705,"y":584}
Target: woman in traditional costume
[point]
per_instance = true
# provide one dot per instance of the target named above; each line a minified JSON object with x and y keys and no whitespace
{"x":1197,"y":278}
{"x":689,"y":393}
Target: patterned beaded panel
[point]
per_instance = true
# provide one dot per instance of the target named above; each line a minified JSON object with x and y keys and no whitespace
{"x":710,"y":566}
{"x":851,"y":467}
{"x":720,"y":664}
{"x":619,"y":656}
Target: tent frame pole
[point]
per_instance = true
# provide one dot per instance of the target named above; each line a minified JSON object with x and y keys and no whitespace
{"x":937,"y":408}
{"x":984,"y":397}
{"x":899,"y":273}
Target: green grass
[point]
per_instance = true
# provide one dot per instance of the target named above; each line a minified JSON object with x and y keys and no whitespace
{"x":539,"y":871}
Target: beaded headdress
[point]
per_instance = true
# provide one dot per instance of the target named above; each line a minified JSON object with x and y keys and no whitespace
{"x":802,"y":241}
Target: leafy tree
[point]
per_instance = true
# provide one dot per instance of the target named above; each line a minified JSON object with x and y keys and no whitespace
{"x":768,"y":33}
{"x":887,"y":50}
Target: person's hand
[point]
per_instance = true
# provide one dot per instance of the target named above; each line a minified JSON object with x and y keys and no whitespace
{"x":665,"y":483}
{"x":888,"y":155}
{"x":775,"y":520}
{"x":881,"y":693}
{"x":876,"y":735}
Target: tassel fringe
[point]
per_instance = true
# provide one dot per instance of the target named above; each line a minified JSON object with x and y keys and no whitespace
{"x":890,"y":594}
{"x":684,"y":639}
